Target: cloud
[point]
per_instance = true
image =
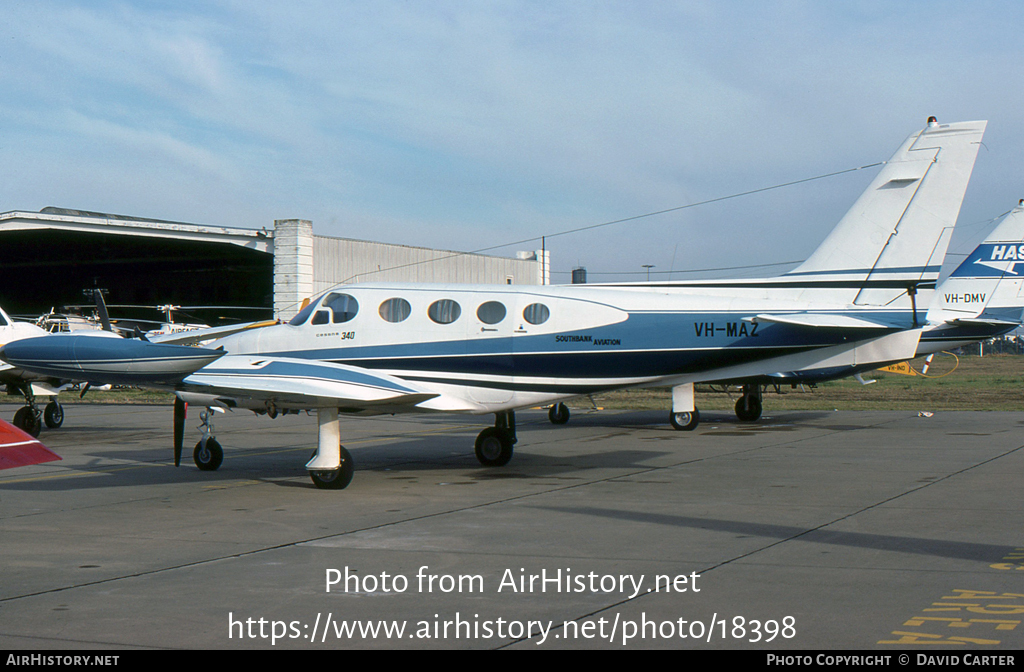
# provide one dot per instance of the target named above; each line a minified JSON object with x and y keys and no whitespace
{"x":459,"y":124}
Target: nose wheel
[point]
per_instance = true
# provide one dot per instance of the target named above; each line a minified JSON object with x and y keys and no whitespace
{"x":208,"y":454}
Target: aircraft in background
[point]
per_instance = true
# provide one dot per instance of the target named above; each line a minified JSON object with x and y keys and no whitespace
{"x":29,"y":385}
{"x":391,"y":347}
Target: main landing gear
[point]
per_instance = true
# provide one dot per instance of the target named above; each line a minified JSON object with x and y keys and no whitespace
{"x":331,"y":467}
{"x":494,"y":444}
{"x":686,"y":421}
{"x":748,"y":406}
{"x":558,"y":414}
{"x":30,"y":420}
{"x":684,"y":415}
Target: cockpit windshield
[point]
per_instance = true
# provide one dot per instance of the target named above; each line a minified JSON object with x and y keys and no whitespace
{"x":334,"y":308}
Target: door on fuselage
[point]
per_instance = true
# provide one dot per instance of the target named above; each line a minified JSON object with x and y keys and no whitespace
{"x":491,"y":324}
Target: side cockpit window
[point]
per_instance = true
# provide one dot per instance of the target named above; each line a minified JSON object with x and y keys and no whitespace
{"x":334,"y":308}
{"x":343,"y":307}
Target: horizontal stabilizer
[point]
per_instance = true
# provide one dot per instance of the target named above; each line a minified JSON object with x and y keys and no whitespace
{"x":19,"y":449}
{"x":986,"y":322}
{"x":303,"y":383}
{"x":821,"y":321}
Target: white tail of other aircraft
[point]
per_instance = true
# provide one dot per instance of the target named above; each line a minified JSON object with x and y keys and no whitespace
{"x":988,"y":287}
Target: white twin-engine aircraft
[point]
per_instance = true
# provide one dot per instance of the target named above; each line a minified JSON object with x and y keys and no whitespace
{"x":859,"y":301}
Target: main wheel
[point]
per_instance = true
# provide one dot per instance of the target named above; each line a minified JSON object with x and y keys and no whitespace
{"x":558,"y":414}
{"x":208,"y":455}
{"x":335,"y":479}
{"x":493,"y":447}
{"x":748,"y":408}
{"x":27,"y":421}
{"x":685,"y":421}
{"x":53,"y":415}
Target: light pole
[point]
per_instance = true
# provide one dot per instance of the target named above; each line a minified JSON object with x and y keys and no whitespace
{"x":648,"y":267}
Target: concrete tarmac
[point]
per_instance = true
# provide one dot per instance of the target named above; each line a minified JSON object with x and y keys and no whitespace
{"x":808,"y":530}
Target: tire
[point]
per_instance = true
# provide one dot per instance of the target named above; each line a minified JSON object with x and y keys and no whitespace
{"x":27,"y":421}
{"x":686,"y":422}
{"x":335,"y":479}
{"x":53,"y":415}
{"x":558,"y":414}
{"x":208,"y":457}
{"x":493,"y":447}
{"x":748,"y":408}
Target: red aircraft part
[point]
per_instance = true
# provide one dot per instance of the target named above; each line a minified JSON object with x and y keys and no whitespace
{"x":18,"y":449}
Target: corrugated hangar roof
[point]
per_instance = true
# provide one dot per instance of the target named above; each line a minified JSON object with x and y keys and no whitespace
{"x":100,"y":222}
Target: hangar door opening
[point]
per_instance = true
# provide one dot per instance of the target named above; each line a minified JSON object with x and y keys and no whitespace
{"x":45,"y":268}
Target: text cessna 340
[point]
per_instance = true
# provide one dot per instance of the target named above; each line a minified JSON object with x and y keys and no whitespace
{"x":393,"y":348}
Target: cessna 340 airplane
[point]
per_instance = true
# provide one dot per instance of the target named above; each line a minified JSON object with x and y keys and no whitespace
{"x":388,"y":348}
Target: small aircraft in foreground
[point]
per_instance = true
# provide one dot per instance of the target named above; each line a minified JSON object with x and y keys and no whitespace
{"x":379,"y":348}
{"x":19,"y":449}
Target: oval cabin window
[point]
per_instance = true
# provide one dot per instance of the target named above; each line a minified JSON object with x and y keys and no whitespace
{"x":491,"y":312}
{"x":395,"y":310}
{"x":444,"y":311}
{"x":536,"y":313}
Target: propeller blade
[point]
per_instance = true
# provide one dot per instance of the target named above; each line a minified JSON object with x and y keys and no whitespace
{"x":180,"y":410}
{"x":101,"y":308}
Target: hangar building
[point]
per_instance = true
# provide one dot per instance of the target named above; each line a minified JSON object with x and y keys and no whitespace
{"x":48,"y":258}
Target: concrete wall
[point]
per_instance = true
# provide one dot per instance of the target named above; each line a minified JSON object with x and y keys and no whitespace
{"x":293,"y":265}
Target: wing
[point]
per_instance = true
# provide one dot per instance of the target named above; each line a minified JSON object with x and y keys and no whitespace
{"x":224,"y":380}
{"x":18,"y":449}
{"x":301,"y":383}
{"x":199,"y":335}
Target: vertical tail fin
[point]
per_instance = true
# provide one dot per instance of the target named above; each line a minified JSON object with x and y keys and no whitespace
{"x":895,"y":236}
{"x":988,"y":287}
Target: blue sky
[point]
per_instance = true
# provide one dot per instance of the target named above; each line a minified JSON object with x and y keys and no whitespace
{"x":463,"y":125}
